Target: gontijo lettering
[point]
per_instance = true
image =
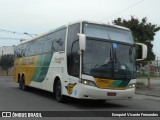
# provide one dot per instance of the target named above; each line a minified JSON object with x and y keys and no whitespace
{"x":27,"y":61}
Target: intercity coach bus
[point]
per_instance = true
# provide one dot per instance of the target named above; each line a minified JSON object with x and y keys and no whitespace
{"x":83,"y":60}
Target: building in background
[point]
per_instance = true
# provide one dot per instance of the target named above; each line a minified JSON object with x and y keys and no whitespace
{"x":6,"y":50}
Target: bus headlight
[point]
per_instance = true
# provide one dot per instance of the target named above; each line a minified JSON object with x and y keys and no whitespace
{"x":132,"y":85}
{"x":88,"y":82}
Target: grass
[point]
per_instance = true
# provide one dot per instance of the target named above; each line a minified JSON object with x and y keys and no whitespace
{"x":148,"y":76}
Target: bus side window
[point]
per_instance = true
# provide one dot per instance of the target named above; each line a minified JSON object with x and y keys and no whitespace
{"x":59,"y":40}
{"x":55,"y":41}
{"x":29,"y":49}
{"x":20,"y":51}
{"x":38,"y":46}
{"x":47,"y":47}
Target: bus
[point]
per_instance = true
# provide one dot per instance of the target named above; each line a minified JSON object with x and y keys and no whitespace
{"x":83,"y":60}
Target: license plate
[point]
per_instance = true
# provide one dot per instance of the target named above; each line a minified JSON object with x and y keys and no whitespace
{"x":111,"y":94}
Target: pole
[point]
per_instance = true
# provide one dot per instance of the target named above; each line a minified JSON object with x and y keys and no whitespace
{"x":149,"y":80}
{"x":157,"y":65}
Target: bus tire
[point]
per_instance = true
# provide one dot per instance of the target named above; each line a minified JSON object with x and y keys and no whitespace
{"x":22,"y":85}
{"x":58,"y":92}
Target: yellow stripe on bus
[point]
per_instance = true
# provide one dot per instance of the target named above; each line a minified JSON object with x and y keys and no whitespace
{"x":25,"y":66}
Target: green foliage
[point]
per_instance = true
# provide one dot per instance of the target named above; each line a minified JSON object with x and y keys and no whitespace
{"x":142,"y":31}
{"x":6,"y":61}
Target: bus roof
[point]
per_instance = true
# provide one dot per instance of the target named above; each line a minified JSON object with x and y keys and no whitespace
{"x":59,"y":28}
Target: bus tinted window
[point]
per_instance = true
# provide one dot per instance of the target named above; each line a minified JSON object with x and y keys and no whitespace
{"x":55,"y":41}
{"x":73,"y":57}
{"x":39,"y":45}
{"x":106,"y":32}
{"x":20,"y":51}
{"x":59,"y":40}
{"x":31,"y":48}
{"x":48,"y":44}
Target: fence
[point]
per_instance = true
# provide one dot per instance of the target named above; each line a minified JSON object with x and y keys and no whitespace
{"x":146,"y":72}
{"x":147,"y":69}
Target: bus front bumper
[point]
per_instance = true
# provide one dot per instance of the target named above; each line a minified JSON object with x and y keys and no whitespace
{"x":90,"y":92}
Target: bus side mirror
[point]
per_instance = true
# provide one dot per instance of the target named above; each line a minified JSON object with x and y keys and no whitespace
{"x":82,"y":42}
{"x":141,"y":51}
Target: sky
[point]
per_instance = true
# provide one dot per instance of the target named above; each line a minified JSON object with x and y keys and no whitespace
{"x":39,"y":16}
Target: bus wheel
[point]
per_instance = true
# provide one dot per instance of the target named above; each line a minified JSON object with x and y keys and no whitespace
{"x":58,"y":90}
{"x":22,"y":85}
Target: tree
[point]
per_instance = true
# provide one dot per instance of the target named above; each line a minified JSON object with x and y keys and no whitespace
{"x":6,"y":62}
{"x":142,"y":31}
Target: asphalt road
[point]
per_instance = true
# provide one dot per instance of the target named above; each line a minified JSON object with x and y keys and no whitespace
{"x":14,"y":99}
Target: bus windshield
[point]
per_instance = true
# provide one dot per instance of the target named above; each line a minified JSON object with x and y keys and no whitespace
{"x":109,"y":59}
{"x":107,"y":32}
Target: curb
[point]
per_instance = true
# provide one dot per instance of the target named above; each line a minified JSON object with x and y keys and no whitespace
{"x":148,"y":94}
